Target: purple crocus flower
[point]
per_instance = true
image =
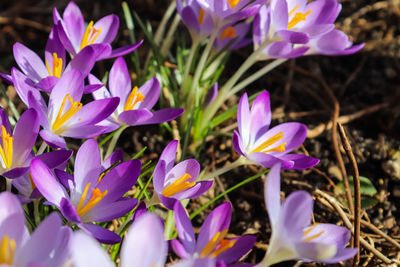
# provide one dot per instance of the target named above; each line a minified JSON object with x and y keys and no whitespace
{"x":45,"y":247}
{"x":292,"y":235}
{"x":144,"y":246}
{"x":210,"y":243}
{"x":95,"y":196}
{"x":75,"y":37}
{"x":135,"y":104}
{"x":65,"y":115}
{"x":227,"y":11}
{"x":16,"y":147}
{"x":235,"y":34}
{"x":268,"y":146}
{"x":199,"y":22}
{"x":172,"y":183}
{"x":44,"y":75}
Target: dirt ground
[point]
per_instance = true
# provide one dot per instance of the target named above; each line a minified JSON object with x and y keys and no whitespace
{"x":361,"y":91}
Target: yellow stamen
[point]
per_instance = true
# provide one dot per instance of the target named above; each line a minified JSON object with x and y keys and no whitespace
{"x":134,"y":97}
{"x":213,"y":243}
{"x":90,"y":35}
{"x":178,"y":186}
{"x":97,"y":195}
{"x":6,"y":150}
{"x":57,"y":66}
{"x":298,"y":17}
{"x":228,"y":33}
{"x":269,"y":142}
{"x":32,"y":182}
{"x":201,"y":16}
{"x":308,"y":231}
{"x":223,"y":246}
{"x":7,"y":250}
{"x":233,"y":3}
{"x":63,"y":118}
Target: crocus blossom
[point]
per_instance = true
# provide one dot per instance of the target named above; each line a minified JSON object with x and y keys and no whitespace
{"x":65,"y":115}
{"x":291,"y":28}
{"x":292,"y":235}
{"x":265,"y":146}
{"x":16,"y":147}
{"x":75,"y":36}
{"x":144,"y":246}
{"x":45,"y":247}
{"x":172,"y":183}
{"x":199,"y":22}
{"x":95,"y":196}
{"x":211,"y":243}
{"x":135,"y":104}
{"x":44,"y":75}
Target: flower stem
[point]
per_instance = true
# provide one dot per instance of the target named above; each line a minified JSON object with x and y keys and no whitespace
{"x":248,"y":180}
{"x":256,"y":75}
{"x":36,"y":213}
{"x":42,"y":148}
{"x":239,"y":162}
{"x":114,"y":140}
{"x":8,"y":184}
{"x":192,"y":52}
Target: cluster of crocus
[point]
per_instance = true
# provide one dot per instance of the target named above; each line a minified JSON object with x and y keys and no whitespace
{"x":91,"y":189}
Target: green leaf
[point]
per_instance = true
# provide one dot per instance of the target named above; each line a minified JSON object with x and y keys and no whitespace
{"x":367,"y":190}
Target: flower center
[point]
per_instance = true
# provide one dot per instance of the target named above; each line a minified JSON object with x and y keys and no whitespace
{"x":134,"y":97}
{"x":63,"y":118}
{"x":57,"y":66}
{"x":7,"y":250}
{"x":6,"y":150}
{"x":227,"y":33}
{"x":307,"y":237}
{"x":97,"y":195}
{"x":217,"y":245}
{"x":178,"y":186}
{"x":32,"y":182}
{"x":298,"y":17}
{"x":270,"y":141}
{"x":90,"y":35}
{"x":201,"y":16}
{"x":233,"y":3}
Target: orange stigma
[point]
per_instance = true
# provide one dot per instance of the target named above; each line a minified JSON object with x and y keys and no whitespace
{"x":270,"y":141}
{"x":307,"y":238}
{"x":201,"y":16}
{"x":233,"y":3}
{"x":63,"y":118}
{"x":97,"y":195}
{"x":217,"y":245}
{"x":229,"y":32}
{"x":134,"y":97}
{"x":178,"y":186}
{"x":298,"y":17}
{"x":6,"y":149}
{"x":7,"y":250}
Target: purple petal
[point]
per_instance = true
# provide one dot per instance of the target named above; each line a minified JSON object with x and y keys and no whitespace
{"x":179,"y":249}
{"x":110,"y":211}
{"x":279,"y":15}
{"x":47,"y":84}
{"x":7,"y":78}
{"x":144,"y":244}
{"x":296,"y":214}
{"x":119,"y":80}
{"x":83,"y":61}
{"x":164,"y":165}
{"x":73,"y":20}
{"x":65,"y":38}
{"x":25,"y":134}
{"x":87,"y":165}
{"x":184,"y":228}
{"x":272,"y":191}
{"x":119,"y":180}
{"x":300,"y":161}
{"x":237,"y":143}
{"x":65,"y":178}
{"x":113,"y":158}
{"x":190,"y":19}
{"x":243,"y":115}
{"x":101,"y":234}
{"x":151,"y":91}
{"x":109,"y":28}
{"x":315,"y":251}
{"x":268,"y":160}
{"x":189,"y":166}
{"x":54,"y":45}
{"x":135,"y":117}
{"x":16,"y":172}
{"x":211,"y":94}
{"x":85,"y":131}
{"x":140,"y":210}
{"x":4,"y":120}
{"x":163,"y":115}
{"x":56,"y":158}
{"x":54,"y":141}
{"x":23,"y":85}
{"x":12,"y":219}
{"x":29,"y":62}
{"x":242,"y":246}
{"x":260,"y":116}
{"x":46,"y":183}
{"x":217,"y":221}
{"x":102,"y":92}
{"x":293,"y":37}
{"x":86,"y":251}
{"x":342,"y":255}
{"x":122,"y":51}
{"x":102,"y":51}
{"x":36,"y":102}
{"x":91,"y":88}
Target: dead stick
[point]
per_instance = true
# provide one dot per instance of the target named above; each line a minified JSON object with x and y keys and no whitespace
{"x":332,"y":201}
{"x":357,"y":193}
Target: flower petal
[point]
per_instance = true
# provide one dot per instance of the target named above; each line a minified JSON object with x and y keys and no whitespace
{"x":272,"y":194}
{"x":109,"y":28}
{"x":101,"y":234}
{"x":119,"y":80}
{"x":184,"y":228}
{"x":29,"y":62}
